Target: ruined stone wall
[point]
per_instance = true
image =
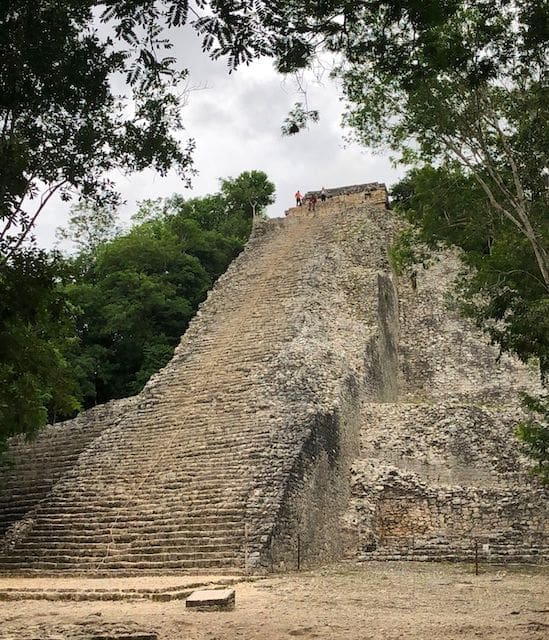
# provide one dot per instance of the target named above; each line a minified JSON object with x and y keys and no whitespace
{"x":308,"y":527}
{"x":307,"y":531}
{"x":372,"y":193}
{"x":440,"y":468}
{"x":314,"y":487}
{"x":446,"y":475}
{"x":382,"y":359}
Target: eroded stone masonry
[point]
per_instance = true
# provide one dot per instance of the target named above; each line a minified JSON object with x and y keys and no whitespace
{"x":317,"y":407}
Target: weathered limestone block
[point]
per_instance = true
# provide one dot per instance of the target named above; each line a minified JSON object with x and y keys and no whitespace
{"x":211,"y":600}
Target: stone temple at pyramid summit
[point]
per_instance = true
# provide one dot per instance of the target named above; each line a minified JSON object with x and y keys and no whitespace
{"x":318,"y":408}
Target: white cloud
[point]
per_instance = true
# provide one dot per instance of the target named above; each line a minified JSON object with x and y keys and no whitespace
{"x":235,"y":120}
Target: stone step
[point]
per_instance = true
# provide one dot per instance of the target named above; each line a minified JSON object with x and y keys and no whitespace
{"x":198,"y":543}
{"x":15,"y":512}
{"x":208,"y":479}
{"x":95,"y":546}
{"x":169,"y":529}
{"x":180,"y":501}
{"x":193,"y":484}
{"x":141,"y":520}
{"x":200,"y":464}
{"x":120,"y":530}
{"x":86,"y":520}
{"x":94,"y":566}
{"x":120,"y":554}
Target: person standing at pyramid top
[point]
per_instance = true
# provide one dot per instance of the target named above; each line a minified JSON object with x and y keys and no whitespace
{"x":323,"y":194}
{"x":298,"y":198}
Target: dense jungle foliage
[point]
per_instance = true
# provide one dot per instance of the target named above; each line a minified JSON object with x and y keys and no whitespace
{"x":95,"y":325}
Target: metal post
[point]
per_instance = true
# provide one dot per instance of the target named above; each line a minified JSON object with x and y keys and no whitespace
{"x":246,"y":547}
{"x":476,"y":557}
{"x":298,"y":552}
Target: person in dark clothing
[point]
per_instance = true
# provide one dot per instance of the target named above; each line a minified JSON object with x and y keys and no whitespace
{"x":413,"y":280}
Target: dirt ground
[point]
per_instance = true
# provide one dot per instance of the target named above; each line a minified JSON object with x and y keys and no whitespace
{"x":384,"y":601}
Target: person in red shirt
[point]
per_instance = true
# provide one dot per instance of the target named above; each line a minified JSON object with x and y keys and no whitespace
{"x":298,"y":198}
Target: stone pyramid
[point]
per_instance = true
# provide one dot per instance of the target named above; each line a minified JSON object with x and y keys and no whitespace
{"x":316,"y":408}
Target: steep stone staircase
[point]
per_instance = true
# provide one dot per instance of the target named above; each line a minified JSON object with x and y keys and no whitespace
{"x":316,"y":407}
{"x":34,"y":467}
{"x":192,"y":476}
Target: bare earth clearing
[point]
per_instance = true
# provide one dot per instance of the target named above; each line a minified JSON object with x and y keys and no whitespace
{"x":377,"y":600}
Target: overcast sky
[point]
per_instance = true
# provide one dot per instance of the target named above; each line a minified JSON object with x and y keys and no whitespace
{"x":235,"y":120}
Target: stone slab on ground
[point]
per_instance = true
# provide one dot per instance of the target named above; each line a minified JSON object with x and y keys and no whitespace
{"x":211,"y":600}
{"x":95,"y":596}
{"x":163,"y":581}
{"x":157,"y":589}
{"x":89,"y":631}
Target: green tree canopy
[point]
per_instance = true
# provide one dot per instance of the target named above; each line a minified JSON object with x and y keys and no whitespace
{"x":137,"y":292}
{"x":453,"y":80}
{"x":136,"y":300}
{"x":36,"y":331}
{"x":248,"y":194}
{"x":89,"y":226}
{"x":96,"y":325}
{"x":63,"y":127}
{"x":501,"y":288}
